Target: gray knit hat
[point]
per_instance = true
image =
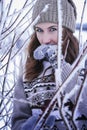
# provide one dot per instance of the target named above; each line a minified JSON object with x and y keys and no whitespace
{"x":47,"y":12}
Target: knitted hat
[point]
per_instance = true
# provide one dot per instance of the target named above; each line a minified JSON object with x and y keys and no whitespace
{"x":46,"y":11}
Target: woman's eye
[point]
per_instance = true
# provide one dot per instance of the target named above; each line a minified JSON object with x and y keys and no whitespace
{"x":53,"y":29}
{"x":38,"y":30}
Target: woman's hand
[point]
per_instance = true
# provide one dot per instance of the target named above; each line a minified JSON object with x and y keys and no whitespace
{"x":47,"y":52}
{"x":50,"y":122}
{"x":30,"y":123}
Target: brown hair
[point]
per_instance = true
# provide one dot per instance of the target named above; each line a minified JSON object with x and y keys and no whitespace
{"x":34,"y":67}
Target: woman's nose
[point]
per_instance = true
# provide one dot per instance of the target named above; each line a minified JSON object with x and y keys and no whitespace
{"x":46,"y":39}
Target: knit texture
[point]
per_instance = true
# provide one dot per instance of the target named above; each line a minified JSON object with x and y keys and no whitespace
{"x":73,"y":109}
{"x":48,"y":12}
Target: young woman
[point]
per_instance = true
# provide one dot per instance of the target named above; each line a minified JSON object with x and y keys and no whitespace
{"x":35,"y":91}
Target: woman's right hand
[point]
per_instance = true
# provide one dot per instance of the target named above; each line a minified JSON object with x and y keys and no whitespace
{"x":30,"y":123}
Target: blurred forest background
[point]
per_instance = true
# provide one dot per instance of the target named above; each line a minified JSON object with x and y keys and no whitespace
{"x":15,"y":31}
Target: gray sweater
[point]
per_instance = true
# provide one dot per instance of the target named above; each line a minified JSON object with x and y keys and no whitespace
{"x":30,"y":99}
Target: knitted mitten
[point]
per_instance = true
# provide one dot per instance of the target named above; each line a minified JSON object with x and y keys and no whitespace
{"x":47,"y":52}
{"x":30,"y":123}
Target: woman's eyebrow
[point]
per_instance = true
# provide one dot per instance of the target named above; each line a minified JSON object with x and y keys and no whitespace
{"x":54,"y":26}
{"x":36,"y":27}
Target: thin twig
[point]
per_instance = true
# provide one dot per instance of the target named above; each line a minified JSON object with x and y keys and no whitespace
{"x":81,"y":25}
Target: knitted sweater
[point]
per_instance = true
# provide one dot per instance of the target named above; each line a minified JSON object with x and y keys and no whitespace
{"x":33,"y":97}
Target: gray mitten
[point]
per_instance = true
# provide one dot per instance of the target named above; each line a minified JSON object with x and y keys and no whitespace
{"x":30,"y":123}
{"x":48,"y":52}
{"x":50,"y":122}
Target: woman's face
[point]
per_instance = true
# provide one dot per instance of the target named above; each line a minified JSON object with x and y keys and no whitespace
{"x":47,"y":33}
